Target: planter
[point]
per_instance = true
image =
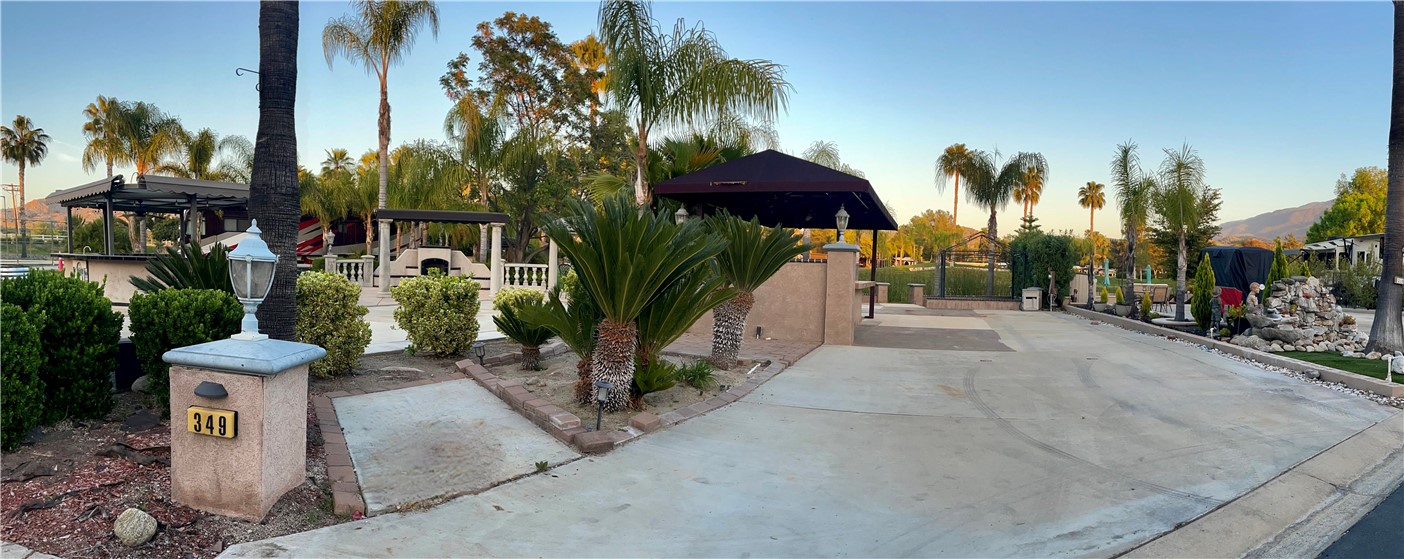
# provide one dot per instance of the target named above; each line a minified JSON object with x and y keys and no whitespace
{"x":1100,"y":307}
{"x":1122,"y":310}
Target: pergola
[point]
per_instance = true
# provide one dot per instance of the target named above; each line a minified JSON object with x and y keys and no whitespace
{"x":782,"y":190}
{"x":148,"y":194}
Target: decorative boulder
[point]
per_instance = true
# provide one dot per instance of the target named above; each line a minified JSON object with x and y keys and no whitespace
{"x":134,"y":527}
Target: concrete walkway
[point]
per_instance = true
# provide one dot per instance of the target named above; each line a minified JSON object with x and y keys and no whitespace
{"x":1083,"y":440}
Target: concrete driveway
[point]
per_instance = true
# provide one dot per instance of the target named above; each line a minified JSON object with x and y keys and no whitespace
{"x":870,"y":451}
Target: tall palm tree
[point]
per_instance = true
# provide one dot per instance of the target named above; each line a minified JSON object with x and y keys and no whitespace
{"x":625,"y":258}
{"x":148,"y":135}
{"x":196,"y":153}
{"x":338,"y":161}
{"x":1178,"y":201}
{"x":273,"y":194}
{"x":679,"y":78}
{"x":478,"y":133}
{"x":952,"y":163}
{"x":23,"y":145}
{"x":1093,"y":197}
{"x":1387,"y":332}
{"x":378,"y":35}
{"x":325,"y":198}
{"x":992,"y":185}
{"x":753,"y":254}
{"x":589,"y":55}
{"x":101,"y":130}
{"x":1029,"y":190}
{"x":1132,"y":196}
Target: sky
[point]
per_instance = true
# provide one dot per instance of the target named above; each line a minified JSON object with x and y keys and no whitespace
{"x":1278,"y":98}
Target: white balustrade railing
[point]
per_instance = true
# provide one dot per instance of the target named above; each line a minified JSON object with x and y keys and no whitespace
{"x":359,"y":270}
{"x":530,"y":276}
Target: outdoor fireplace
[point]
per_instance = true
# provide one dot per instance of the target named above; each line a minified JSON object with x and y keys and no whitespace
{"x":433,"y":264}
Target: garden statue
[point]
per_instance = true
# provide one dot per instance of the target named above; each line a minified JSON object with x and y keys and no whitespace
{"x":1216,"y":306}
{"x":1252,"y":301}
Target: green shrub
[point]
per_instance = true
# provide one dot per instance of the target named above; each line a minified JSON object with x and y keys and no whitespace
{"x":1102,"y":294}
{"x":1277,"y":271}
{"x":697,"y":374}
{"x":1200,"y":304}
{"x":657,"y":376}
{"x":22,"y":401}
{"x":187,"y":268}
{"x":530,"y":335}
{"x":439,"y":313}
{"x":1121,"y":297}
{"x":1034,"y":254}
{"x":82,"y":331}
{"x":1357,"y":284}
{"x":515,"y":297}
{"x":329,"y":315}
{"x":172,"y":318}
{"x":1146,"y":304}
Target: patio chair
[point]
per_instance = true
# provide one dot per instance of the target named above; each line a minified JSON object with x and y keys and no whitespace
{"x":1160,"y":296}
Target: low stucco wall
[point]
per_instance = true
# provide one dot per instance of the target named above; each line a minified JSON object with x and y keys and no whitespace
{"x":790,"y":306}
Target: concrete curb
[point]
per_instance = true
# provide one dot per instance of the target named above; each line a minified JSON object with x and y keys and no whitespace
{"x":1358,"y":382}
{"x":1278,"y":508}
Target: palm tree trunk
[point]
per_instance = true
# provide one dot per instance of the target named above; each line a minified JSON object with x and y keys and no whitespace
{"x":583,"y":389}
{"x":384,"y":125}
{"x":531,"y":358}
{"x":273,"y":193}
{"x":955,"y":210}
{"x":993,"y":230}
{"x":19,"y":221}
{"x":1180,"y":267}
{"x":728,"y":326}
{"x":641,"y":193}
{"x":615,"y":346}
{"x":1387,"y":332}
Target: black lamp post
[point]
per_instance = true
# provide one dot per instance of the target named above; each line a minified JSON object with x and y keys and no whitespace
{"x":602,"y":389}
{"x":479,"y":350}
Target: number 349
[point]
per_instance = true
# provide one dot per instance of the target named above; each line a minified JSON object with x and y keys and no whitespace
{"x":217,"y":423}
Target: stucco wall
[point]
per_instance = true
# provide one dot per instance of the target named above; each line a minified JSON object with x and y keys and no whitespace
{"x":790,"y":306}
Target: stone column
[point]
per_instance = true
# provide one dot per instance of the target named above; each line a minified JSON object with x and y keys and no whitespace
{"x":841,"y":305}
{"x":916,"y":293}
{"x":553,"y":267}
{"x":881,"y":288}
{"x":238,"y":424}
{"x":384,"y":255}
{"x":329,"y":263}
{"x":367,"y":271}
{"x":495,"y":283}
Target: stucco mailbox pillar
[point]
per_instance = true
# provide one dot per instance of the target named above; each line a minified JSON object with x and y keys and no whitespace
{"x":841,"y":305}
{"x":238,"y":424}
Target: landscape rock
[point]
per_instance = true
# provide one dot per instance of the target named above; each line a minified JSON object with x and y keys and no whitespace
{"x":139,"y":385}
{"x":1250,"y":342}
{"x":134,"y":527}
{"x":1373,"y":355}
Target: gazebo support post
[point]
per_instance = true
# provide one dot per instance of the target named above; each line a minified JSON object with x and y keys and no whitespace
{"x":69,"y":223}
{"x":107,"y":225}
{"x":495,"y":273}
{"x":553,"y":267}
{"x":141,"y":234}
{"x":872,"y":276}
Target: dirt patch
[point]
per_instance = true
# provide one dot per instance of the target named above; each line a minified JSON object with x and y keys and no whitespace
{"x":376,"y":372}
{"x":556,"y":382}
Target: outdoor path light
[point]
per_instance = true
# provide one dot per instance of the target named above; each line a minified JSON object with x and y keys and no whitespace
{"x":479,"y":350}
{"x":680,"y":216}
{"x":841,"y":219}
{"x":251,"y":267}
{"x":602,"y":389}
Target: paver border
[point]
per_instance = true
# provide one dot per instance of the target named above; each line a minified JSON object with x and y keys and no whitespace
{"x":346,"y":487}
{"x":1352,"y":380}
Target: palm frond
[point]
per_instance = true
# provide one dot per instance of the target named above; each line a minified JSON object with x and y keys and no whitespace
{"x":677,"y":308}
{"x":510,"y":322}
{"x":188,"y":267}
{"x":753,"y":252}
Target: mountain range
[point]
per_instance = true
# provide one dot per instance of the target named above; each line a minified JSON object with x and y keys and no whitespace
{"x":1277,"y":223}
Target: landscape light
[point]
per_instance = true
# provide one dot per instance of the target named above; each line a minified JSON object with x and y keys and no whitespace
{"x":251,"y":268}
{"x":841,"y":219}
{"x":479,"y":350}
{"x":602,"y":389}
{"x":680,"y":216}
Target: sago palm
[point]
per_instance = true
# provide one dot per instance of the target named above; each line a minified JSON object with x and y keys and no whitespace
{"x":953,"y":162}
{"x":24,"y":145}
{"x":625,"y":257}
{"x":753,"y":254}
{"x":512,"y":323}
{"x":677,"y":308}
{"x":101,"y":130}
{"x":1178,"y":201}
{"x":377,"y":35}
{"x":667,"y":79}
{"x":572,"y":316}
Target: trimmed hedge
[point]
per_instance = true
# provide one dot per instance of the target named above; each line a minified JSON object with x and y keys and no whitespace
{"x":82,"y":330}
{"x":439,"y":313}
{"x":22,"y":401}
{"x":329,"y":315}
{"x":515,"y":297}
{"x":172,"y":318}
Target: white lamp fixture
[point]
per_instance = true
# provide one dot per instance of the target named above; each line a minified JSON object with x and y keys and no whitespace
{"x":842,"y":220}
{"x":251,"y":267}
{"x":680,"y":216}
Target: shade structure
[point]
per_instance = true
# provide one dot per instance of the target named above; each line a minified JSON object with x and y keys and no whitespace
{"x":780,"y":190}
{"x":440,"y":216}
{"x":1237,"y":267}
{"x":152,"y":194}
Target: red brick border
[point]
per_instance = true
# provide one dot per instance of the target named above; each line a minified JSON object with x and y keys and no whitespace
{"x":346,"y":488}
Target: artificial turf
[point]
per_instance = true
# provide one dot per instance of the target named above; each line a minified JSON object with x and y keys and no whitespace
{"x":1369,"y":367}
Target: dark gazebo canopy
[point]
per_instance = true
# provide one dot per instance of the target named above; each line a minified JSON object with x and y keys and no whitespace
{"x":440,"y":216}
{"x":780,"y":189}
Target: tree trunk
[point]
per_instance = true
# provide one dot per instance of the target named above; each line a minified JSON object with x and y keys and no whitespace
{"x":583,"y":389}
{"x":273,"y":193}
{"x":993,"y":230}
{"x":19,"y":221}
{"x":955,"y":210}
{"x":531,"y":358}
{"x":728,"y":327}
{"x":641,"y":193}
{"x":1180,"y":266}
{"x":1131,"y":252}
{"x":384,"y":126}
{"x":1387,"y":332}
{"x":615,"y":346}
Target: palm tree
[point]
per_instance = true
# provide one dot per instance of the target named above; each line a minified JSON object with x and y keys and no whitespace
{"x":753,"y":254}
{"x":23,"y":145}
{"x":1093,"y":197}
{"x":952,"y":163}
{"x":378,"y":35}
{"x":1387,"y":332}
{"x":478,"y":135}
{"x":827,"y":154}
{"x":104,"y":142}
{"x":1177,"y":201}
{"x":324,"y":198}
{"x":992,"y":185}
{"x":678,"y":78}
{"x":1029,"y":190}
{"x":338,"y":161}
{"x":273,"y":193}
{"x":589,"y":55}
{"x":148,"y":135}
{"x":625,"y":257}
{"x":1133,"y":196}
{"x":197,"y":152}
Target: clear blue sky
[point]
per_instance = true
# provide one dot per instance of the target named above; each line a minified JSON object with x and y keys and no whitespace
{"x":1278,"y":98}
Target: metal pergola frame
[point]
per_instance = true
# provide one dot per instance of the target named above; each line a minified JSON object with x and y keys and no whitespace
{"x":148,"y":194}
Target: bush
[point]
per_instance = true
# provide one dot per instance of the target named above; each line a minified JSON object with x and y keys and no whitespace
{"x":697,"y":374}
{"x":190,"y":267}
{"x":515,"y":297}
{"x":439,"y":313}
{"x":172,"y":318}
{"x":530,"y":335}
{"x":1102,"y":295}
{"x":1357,"y":285}
{"x":20,"y":359}
{"x":1121,"y":297}
{"x":82,"y":330}
{"x":329,"y":315}
{"x":1034,"y":254}
{"x":1145,"y":305}
{"x":1200,"y":305}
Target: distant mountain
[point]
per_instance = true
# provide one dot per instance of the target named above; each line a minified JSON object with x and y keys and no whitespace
{"x":1274,"y":224}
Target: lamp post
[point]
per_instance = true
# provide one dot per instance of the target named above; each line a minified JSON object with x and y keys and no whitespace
{"x":841,"y":220}
{"x":602,"y":389}
{"x":251,"y":267}
{"x":680,"y":216}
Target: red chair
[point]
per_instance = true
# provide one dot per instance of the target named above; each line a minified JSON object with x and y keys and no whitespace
{"x":1231,"y":297}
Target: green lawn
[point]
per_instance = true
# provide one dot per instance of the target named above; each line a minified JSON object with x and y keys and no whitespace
{"x":1368,"y":367}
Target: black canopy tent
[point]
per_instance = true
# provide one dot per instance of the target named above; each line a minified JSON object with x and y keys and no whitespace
{"x":1237,"y":267}
{"x":148,"y":194}
{"x":783,"y":190}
